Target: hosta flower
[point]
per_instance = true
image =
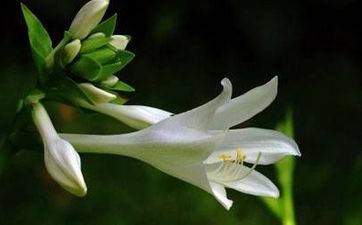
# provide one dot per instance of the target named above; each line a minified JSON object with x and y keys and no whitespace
{"x":61,"y":160}
{"x":196,"y":146}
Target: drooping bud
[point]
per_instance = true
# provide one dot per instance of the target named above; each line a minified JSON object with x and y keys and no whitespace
{"x":119,"y":41}
{"x":71,"y":51}
{"x":61,"y":160}
{"x":98,"y":95}
{"x":88,"y":18}
{"x":135,"y":116}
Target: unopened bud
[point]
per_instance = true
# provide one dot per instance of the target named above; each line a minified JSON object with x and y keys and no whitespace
{"x":119,"y":41}
{"x":71,"y":51}
{"x":96,"y":35}
{"x":88,"y":18}
{"x":97,"y":94}
{"x":110,"y":81}
{"x":61,"y":159}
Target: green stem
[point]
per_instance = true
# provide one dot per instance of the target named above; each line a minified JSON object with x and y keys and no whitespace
{"x":284,"y":207}
{"x":286,"y":181}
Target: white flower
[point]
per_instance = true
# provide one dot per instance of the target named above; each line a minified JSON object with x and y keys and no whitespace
{"x":61,"y":160}
{"x":197,"y":148}
{"x":88,"y":18}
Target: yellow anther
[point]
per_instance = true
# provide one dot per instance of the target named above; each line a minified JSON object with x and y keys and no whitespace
{"x":240,"y":155}
{"x":225,"y":157}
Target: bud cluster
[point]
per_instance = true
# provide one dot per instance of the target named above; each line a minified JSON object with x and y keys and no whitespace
{"x":80,"y":70}
{"x":83,"y":65}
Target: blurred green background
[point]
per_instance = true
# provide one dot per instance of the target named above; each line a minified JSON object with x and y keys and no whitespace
{"x":183,"y":49}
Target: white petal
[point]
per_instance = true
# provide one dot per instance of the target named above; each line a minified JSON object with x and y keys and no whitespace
{"x":201,"y":116}
{"x":255,"y":184}
{"x":219,"y":193}
{"x":272,"y":145}
{"x":244,"y":107}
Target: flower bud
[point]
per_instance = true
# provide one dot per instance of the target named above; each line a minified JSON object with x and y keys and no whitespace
{"x":119,"y":41}
{"x":110,"y":81}
{"x":135,"y":116}
{"x":97,"y":94}
{"x":71,"y":51}
{"x":88,"y":18}
{"x":97,"y":35}
{"x":61,"y":160}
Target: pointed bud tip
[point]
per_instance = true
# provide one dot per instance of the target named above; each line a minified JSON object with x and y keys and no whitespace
{"x":119,"y":41}
{"x":80,"y":191}
{"x":88,"y":18}
{"x":71,"y":51}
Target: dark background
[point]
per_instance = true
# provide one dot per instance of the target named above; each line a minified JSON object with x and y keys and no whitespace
{"x":184,"y":48}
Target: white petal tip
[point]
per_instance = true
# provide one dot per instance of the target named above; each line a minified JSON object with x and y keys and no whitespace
{"x":275,"y":194}
{"x":274,"y":84}
{"x":228,"y":205}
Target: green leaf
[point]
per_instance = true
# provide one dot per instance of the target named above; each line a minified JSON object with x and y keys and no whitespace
{"x":109,"y":70}
{"x":87,"y":68}
{"x":40,"y":42}
{"x":92,"y":44}
{"x":119,"y":86}
{"x":66,"y":90}
{"x":103,"y":55}
{"x":107,"y":27}
{"x":124,"y":57}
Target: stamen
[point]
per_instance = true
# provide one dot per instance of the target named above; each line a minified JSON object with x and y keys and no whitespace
{"x":231,"y":170}
{"x":253,"y":167}
{"x":240,"y":155}
{"x":225,"y":157}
